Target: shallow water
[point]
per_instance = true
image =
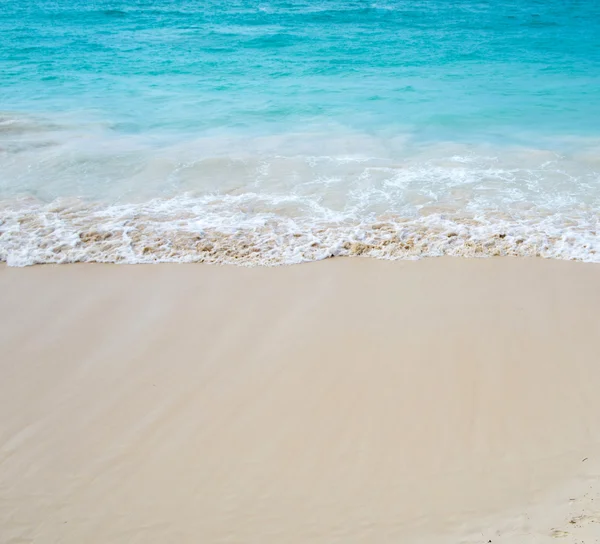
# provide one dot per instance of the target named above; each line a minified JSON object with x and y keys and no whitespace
{"x":277,"y":132}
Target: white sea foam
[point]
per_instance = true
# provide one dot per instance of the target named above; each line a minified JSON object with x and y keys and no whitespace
{"x":220,"y":229}
{"x":89,"y":194}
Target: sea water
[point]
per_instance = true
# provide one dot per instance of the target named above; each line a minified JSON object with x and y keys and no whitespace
{"x":282,"y":131}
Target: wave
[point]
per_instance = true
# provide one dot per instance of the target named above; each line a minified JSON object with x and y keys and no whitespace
{"x":225,"y":230}
{"x":73,"y":192}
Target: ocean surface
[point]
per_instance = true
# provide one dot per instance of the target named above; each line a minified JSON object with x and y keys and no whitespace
{"x":273,"y":132}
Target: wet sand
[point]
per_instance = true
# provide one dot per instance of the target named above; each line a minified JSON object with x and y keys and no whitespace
{"x":350,"y":400}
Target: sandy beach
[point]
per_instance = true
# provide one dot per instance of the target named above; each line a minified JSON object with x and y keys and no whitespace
{"x":345,"y":401}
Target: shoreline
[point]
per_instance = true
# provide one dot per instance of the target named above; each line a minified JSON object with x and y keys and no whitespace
{"x":193,"y":230}
{"x":347,"y":400}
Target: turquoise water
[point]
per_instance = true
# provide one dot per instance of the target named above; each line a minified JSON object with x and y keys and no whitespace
{"x":268,"y":132}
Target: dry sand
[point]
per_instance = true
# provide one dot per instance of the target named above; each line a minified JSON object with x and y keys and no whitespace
{"x":345,"y":401}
